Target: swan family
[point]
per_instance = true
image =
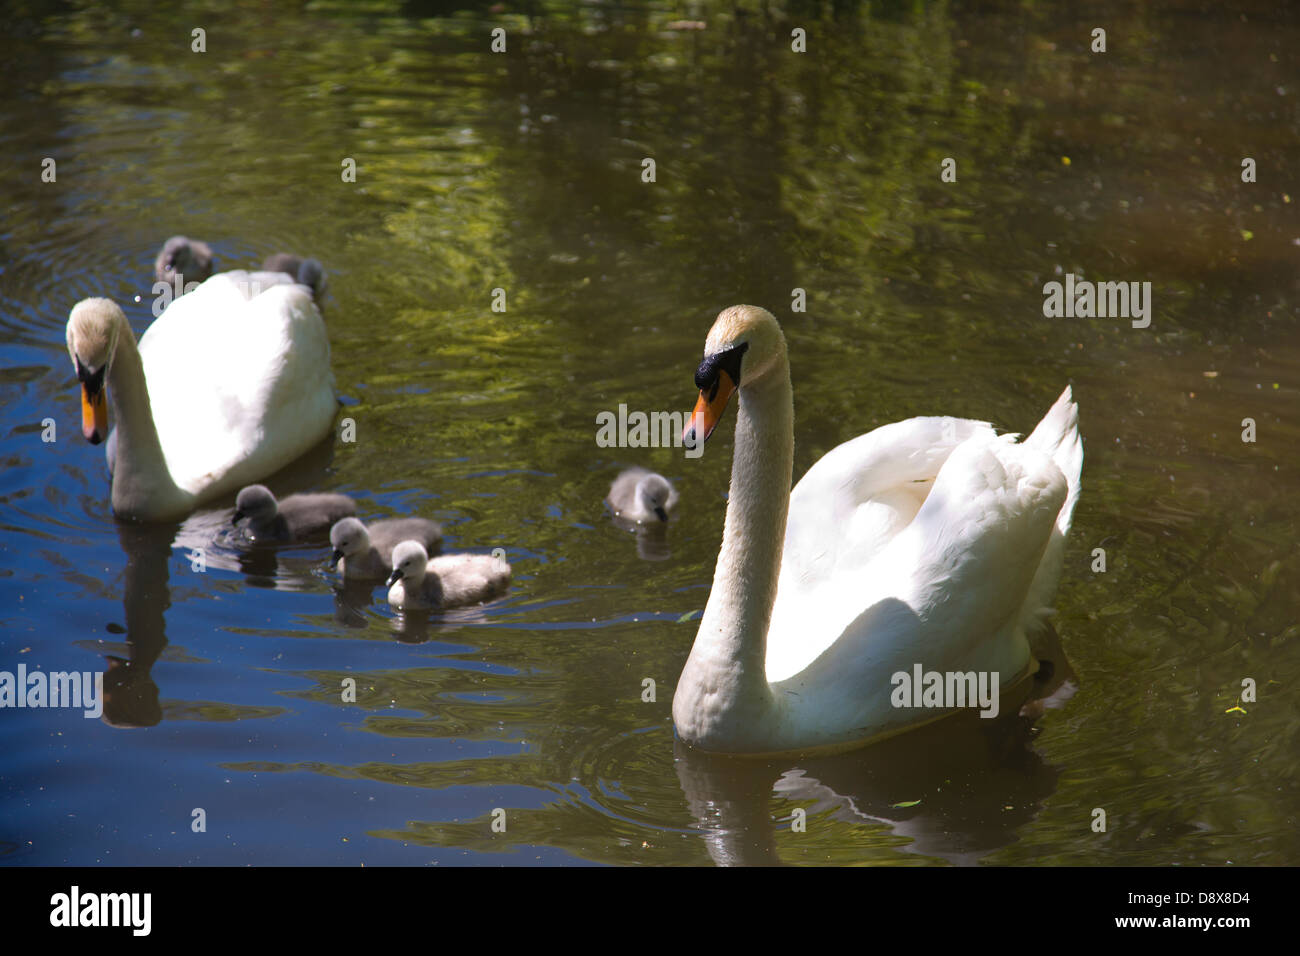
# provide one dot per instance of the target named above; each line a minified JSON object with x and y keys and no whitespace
{"x":229,"y":384}
{"x":933,"y":542}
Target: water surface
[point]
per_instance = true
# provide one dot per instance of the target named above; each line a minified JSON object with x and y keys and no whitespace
{"x":775,"y":171}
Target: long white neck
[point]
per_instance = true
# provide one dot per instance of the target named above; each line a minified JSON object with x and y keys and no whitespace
{"x":142,"y":484}
{"x":723,"y":694}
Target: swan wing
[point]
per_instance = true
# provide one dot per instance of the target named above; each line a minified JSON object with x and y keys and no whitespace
{"x":946,"y":592}
{"x":844,"y":511}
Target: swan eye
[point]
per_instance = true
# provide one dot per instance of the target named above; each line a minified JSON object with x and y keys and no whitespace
{"x":92,"y":381}
{"x":728,"y":360}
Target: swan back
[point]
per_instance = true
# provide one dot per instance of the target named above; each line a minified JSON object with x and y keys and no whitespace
{"x":860,"y":494}
{"x":946,"y":592}
{"x":945,"y":532}
{"x":239,"y":373}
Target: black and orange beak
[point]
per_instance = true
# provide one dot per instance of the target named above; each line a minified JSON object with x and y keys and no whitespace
{"x":94,"y":405}
{"x":708,"y":410}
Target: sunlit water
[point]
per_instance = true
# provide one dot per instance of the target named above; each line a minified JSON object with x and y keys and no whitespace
{"x":522,"y":172}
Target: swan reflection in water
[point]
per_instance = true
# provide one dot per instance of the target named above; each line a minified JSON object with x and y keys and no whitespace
{"x":957,"y":789}
{"x":203,"y":542}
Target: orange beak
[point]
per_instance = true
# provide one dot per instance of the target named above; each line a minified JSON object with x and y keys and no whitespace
{"x":94,"y":415}
{"x":708,"y":411}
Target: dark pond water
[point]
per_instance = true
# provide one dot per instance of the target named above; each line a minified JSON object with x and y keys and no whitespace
{"x":775,"y":170}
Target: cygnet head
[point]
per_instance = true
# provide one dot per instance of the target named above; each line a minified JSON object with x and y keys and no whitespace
{"x":93,"y":328}
{"x":349,"y":537}
{"x":190,"y":257}
{"x":743,"y":348}
{"x":654,"y":492}
{"x":312,"y":274}
{"x":255,"y":502}
{"x":409,"y":561}
{"x":308,"y":272}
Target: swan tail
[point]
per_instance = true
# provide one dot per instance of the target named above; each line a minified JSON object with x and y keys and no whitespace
{"x":1057,"y":438}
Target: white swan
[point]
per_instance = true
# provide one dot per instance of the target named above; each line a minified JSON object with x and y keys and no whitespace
{"x":930,"y":541}
{"x":229,"y":384}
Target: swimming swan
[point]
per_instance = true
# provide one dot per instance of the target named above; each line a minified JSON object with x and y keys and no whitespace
{"x":229,"y":384}
{"x":930,"y":541}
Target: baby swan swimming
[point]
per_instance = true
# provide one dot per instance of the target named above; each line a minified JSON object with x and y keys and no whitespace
{"x":452,"y":580}
{"x":308,"y":272}
{"x":189,"y":258}
{"x":296,"y":518}
{"x":641,"y":496}
{"x":364,"y":552}
{"x":192,"y":260}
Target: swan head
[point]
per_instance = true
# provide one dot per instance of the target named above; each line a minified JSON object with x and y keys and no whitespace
{"x":655,"y":494}
{"x":409,"y":562}
{"x":189,"y":257}
{"x":93,"y":328}
{"x":349,"y":537}
{"x":744,"y":346}
{"x":255,"y":502}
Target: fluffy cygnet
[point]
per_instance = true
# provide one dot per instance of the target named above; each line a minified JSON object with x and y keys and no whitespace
{"x":641,"y":496}
{"x":308,"y":272}
{"x":452,"y":580}
{"x":364,"y":552}
{"x":296,"y":518}
{"x":189,"y":257}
